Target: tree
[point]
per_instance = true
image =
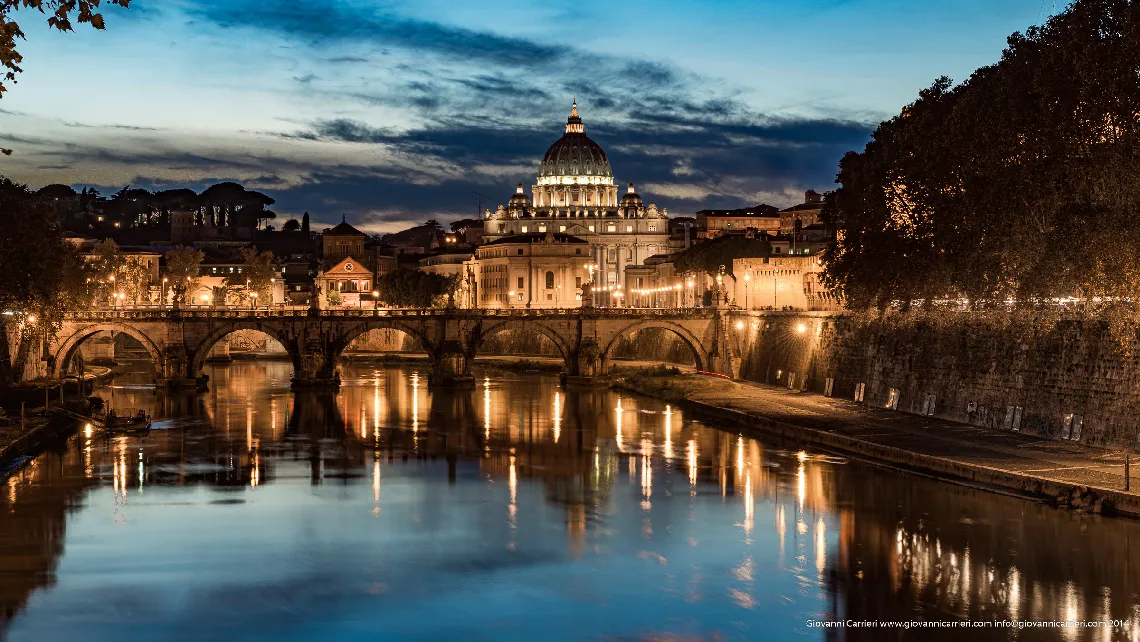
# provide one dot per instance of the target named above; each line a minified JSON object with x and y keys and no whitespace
{"x":709,"y":256}
{"x":404,"y":288}
{"x":1017,"y":184}
{"x":258,"y":272}
{"x":292,"y":225}
{"x":111,"y":273}
{"x":305,"y":224}
{"x":60,"y":16}
{"x":40,"y":273}
{"x":183,"y":268}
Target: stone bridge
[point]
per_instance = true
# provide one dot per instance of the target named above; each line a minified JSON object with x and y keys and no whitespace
{"x":180,"y":340}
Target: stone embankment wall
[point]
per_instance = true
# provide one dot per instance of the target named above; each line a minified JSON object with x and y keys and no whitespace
{"x":1060,"y":379}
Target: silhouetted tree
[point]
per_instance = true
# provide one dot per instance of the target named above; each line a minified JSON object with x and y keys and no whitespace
{"x":305,"y":224}
{"x":292,"y":225}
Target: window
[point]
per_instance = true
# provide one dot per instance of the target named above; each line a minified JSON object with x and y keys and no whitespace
{"x":561,"y":228}
{"x":591,"y":228}
{"x":578,"y":251}
{"x":611,"y":227}
{"x":542,"y":227}
{"x":549,"y":280}
{"x":652,"y":228}
{"x":777,"y":250}
{"x":549,"y":296}
{"x":578,"y":282}
{"x":628,"y":228}
{"x":613,"y":254}
{"x":520,"y":296}
{"x":520,"y":285}
{"x":520,"y":251}
{"x":502,"y":229}
{"x":524,"y":229}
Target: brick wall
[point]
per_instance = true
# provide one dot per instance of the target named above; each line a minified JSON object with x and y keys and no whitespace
{"x":1042,"y":376}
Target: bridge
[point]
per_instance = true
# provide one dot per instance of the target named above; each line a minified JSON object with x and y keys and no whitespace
{"x":179,"y":341}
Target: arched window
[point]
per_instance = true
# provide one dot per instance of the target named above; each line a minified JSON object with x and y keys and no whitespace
{"x":549,"y":280}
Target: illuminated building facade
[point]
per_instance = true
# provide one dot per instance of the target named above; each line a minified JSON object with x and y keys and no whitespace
{"x":575,"y":194}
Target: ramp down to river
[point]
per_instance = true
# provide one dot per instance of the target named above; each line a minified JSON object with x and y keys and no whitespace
{"x":1064,"y":473}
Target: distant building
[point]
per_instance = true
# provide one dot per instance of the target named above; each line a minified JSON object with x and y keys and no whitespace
{"x":458,"y":261}
{"x":760,"y":218}
{"x":780,"y":282}
{"x":575,"y":195}
{"x":804,"y":215}
{"x":533,"y":270}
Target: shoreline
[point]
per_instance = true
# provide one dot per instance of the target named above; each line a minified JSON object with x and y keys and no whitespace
{"x":844,"y":438}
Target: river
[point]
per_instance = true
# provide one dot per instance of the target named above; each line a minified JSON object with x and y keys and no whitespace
{"x":517,"y":511}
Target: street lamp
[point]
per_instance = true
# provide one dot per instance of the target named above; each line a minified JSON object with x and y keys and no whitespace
{"x":205,"y":299}
{"x":375,"y":299}
{"x":747,"y":287}
{"x":510,"y":297}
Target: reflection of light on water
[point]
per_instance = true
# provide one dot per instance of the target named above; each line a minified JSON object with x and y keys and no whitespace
{"x":376,"y":484}
{"x":646,"y":473}
{"x":692,"y":452}
{"x":820,"y":545}
{"x":513,"y":509}
{"x":620,"y":443}
{"x":748,"y":505}
{"x":781,"y":527}
{"x":801,"y":487}
{"x":1014,"y":594}
{"x":739,"y":455}
{"x":557,"y":417}
{"x":1070,"y":610}
{"x":486,"y":412}
{"x":363,"y":421}
{"x":142,"y":471}
{"x":415,"y":402}
{"x":668,"y":434}
{"x":255,"y":474}
{"x":376,"y":410}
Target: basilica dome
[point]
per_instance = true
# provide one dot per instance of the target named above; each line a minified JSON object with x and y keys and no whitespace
{"x":575,"y":157}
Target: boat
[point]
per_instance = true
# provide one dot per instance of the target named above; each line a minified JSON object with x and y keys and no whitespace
{"x":125,"y":420}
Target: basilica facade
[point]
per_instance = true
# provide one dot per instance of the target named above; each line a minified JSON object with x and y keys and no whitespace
{"x":575,"y":195}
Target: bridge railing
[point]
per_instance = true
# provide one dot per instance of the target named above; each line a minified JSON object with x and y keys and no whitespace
{"x":154,"y":313}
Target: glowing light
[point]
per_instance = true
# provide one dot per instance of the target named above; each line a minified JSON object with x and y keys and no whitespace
{"x":739,"y":325}
{"x":801,"y":328}
{"x":87,"y":431}
{"x":557,"y":417}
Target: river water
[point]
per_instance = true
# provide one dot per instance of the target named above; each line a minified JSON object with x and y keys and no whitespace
{"x":517,"y":511}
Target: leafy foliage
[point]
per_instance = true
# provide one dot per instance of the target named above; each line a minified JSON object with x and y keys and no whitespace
{"x":60,"y":14}
{"x":709,"y":256}
{"x":110,"y":273}
{"x":404,"y":288}
{"x":41,"y":274}
{"x":1018,"y":183}
{"x":257,"y":276}
{"x":183,"y":268}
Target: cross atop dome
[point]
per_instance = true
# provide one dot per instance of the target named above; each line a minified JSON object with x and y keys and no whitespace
{"x":574,"y":122}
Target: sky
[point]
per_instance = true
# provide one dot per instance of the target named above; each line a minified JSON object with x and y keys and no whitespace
{"x":391,"y":113}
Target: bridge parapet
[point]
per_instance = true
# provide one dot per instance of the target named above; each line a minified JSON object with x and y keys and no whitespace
{"x":179,"y":340}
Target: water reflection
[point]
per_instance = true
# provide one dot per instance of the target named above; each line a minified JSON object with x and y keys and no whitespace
{"x":518,"y":510}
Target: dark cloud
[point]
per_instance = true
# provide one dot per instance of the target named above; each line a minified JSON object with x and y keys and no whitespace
{"x":331,"y":21}
{"x":498,"y":102}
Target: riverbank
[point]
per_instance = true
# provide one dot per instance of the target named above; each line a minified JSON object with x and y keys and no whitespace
{"x":1064,"y":474}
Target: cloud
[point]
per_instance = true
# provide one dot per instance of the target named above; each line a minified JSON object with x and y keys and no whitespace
{"x":394,"y":119}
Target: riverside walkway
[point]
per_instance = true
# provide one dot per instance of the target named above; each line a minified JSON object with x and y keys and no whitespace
{"x":1061,"y":472}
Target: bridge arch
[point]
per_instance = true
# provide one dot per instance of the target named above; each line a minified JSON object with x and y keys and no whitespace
{"x":700,"y":354}
{"x":381,"y":323}
{"x":66,"y":351}
{"x":485,"y":332}
{"x":202,"y":350}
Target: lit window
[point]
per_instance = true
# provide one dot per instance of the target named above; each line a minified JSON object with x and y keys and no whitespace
{"x":520,"y":296}
{"x":524,"y":229}
{"x":591,"y":228}
{"x":652,"y":228}
{"x":628,"y":228}
{"x":611,"y":227}
{"x":561,"y":228}
{"x":541,"y":227}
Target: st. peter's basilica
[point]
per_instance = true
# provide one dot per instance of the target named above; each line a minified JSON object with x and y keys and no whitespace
{"x":575,"y":194}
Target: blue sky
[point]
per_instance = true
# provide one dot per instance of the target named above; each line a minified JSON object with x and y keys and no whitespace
{"x":396,"y":112}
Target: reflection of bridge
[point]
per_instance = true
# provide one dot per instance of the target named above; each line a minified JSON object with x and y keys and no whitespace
{"x":179,"y":341}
